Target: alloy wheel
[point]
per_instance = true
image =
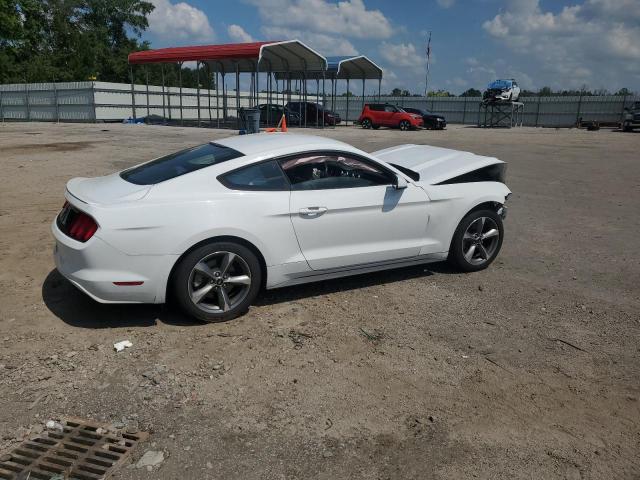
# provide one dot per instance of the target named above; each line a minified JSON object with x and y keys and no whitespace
{"x":219,"y":282}
{"x":366,"y":123}
{"x":480,"y":241}
{"x":404,"y":125}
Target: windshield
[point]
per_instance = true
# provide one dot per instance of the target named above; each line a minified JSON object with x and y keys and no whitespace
{"x":179,"y":163}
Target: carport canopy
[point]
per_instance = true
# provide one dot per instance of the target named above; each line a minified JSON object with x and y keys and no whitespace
{"x":287,"y":56}
{"x":342,"y":68}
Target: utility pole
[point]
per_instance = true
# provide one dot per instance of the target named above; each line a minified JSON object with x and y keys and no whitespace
{"x":426,"y":78}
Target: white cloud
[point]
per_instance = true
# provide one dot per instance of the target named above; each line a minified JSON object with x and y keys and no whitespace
{"x":238,"y":34}
{"x":401,"y":55}
{"x":320,"y":42}
{"x":348,"y":18}
{"x":596,"y":42}
{"x":446,"y":3}
{"x":180,"y":21}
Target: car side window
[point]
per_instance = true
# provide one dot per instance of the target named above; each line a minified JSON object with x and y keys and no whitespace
{"x":265,"y":176}
{"x":376,"y":108}
{"x":389,"y":108}
{"x":322,"y":171}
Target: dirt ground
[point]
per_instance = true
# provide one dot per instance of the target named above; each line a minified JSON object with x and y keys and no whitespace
{"x":529,"y":369}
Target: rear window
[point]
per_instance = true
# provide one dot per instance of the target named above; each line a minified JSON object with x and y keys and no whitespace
{"x":179,"y":163}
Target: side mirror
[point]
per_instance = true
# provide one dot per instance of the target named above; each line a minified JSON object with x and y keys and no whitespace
{"x":399,"y":183}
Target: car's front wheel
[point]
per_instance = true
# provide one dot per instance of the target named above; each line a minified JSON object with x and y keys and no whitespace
{"x":405,"y":125}
{"x":477,"y":241}
{"x":217,"y":281}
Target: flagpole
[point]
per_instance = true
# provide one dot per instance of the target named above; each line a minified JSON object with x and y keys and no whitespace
{"x":426,"y":78}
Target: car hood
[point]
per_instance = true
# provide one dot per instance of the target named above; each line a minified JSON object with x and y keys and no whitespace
{"x":434,"y":164}
{"x":106,"y":190}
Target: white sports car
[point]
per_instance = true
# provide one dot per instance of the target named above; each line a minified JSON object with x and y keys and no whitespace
{"x":213,"y":224}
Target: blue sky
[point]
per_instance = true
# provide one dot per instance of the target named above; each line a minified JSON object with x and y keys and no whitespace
{"x":562,"y":44}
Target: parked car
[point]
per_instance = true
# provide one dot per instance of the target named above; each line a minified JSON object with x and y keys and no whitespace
{"x":631,"y":117}
{"x":271,"y":113}
{"x":314,"y":113}
{"x":376,"y":115}
{"x":429,"y":120}
{"x":502,"y":91}
{"x":213,"y":224}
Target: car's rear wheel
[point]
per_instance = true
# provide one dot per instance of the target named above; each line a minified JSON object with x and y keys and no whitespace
{"x":366,"y":123}
{"x":217,"y":281}
{"x":477,"y":241}
{"x":404,"y":125}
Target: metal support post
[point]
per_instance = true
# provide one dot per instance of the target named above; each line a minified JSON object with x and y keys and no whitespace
{"x":238,"y":96}
{"x":346,"y":119}
{"x":133,"y":94}
{"x":198,"y":90}
{"x":324,"y":100}
{"x":180,"y":85}
{"x":146,"y":74}
{"x":209,"y":80}
{"x":217,"y":101}
{"x":579,"y":107}
{"x":56,"y":101}
{"x":164,"y":114}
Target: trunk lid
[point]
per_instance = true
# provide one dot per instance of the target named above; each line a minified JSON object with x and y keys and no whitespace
{"x":106,"y":190}
{"x":434,"y":164}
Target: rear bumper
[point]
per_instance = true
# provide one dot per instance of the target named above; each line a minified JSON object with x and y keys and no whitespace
{"x":94,"y":266}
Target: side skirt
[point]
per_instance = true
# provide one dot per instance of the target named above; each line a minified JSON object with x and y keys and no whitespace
{"x":308,"y":277}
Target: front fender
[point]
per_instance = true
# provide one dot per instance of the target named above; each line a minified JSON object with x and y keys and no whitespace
{"x":450,"y":204}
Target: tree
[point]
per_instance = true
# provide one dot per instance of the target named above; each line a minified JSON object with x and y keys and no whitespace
{"x":623,"y":92}
{"x":545,"y":92}
{"x":440,"y":93}
{"x":64,"y":40}
{"x":472,"y":92}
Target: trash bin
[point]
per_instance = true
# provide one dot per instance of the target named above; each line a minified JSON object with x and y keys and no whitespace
{"x":250,"y":118}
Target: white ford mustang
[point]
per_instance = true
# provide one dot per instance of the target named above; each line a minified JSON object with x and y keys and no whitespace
{"x":213,"y":224}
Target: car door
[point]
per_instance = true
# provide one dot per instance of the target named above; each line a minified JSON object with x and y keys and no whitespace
{"x":390,"y":113}
{"x":345,"y":211}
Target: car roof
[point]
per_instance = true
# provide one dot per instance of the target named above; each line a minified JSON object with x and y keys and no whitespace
{"x":266,"y":143}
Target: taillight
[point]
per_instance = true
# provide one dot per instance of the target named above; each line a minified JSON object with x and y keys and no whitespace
{"x":75,"y":223}
{"x":83,"y":227}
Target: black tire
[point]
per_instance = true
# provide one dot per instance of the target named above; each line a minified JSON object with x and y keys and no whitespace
{"x":404,"y":125}
{"x":375,"y":127}
{"x":459,"y":242}
{"x":366,"y":123}
{"x":243,"y":263}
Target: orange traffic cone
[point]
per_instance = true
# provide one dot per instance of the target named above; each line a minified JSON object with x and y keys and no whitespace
{"x":284,"y":123}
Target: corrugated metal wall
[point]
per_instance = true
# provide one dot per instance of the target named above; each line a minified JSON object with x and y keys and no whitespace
{"x":538,"y":111}
{"x":102,"y":101}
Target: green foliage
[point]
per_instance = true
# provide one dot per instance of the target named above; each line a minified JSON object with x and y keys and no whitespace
{"x":439,"y":93}
{"x":472,"y":92}
{"x":397,"y":92}
{"x":69,"y":40}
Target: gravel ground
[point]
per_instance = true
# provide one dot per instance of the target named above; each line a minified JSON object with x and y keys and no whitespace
{"x":529,"y":369}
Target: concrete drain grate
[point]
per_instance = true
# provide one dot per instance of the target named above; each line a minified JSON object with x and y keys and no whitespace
{"x":79,"y":452}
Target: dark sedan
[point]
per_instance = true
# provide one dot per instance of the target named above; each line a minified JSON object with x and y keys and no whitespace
{"x":270,"y":115}
{"x":431,"y":120}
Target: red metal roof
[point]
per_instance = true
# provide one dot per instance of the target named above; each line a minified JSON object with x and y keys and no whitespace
{"x":231,"y":51}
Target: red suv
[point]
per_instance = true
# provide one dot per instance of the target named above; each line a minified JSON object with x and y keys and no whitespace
{"x":375,"y":115}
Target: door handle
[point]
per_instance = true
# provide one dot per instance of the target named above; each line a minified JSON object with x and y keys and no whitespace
{"x":312,"y":211}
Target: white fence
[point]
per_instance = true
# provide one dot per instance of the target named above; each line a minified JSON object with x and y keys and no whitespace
{"x":102,"y":101}
{"x":554,"y":111}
